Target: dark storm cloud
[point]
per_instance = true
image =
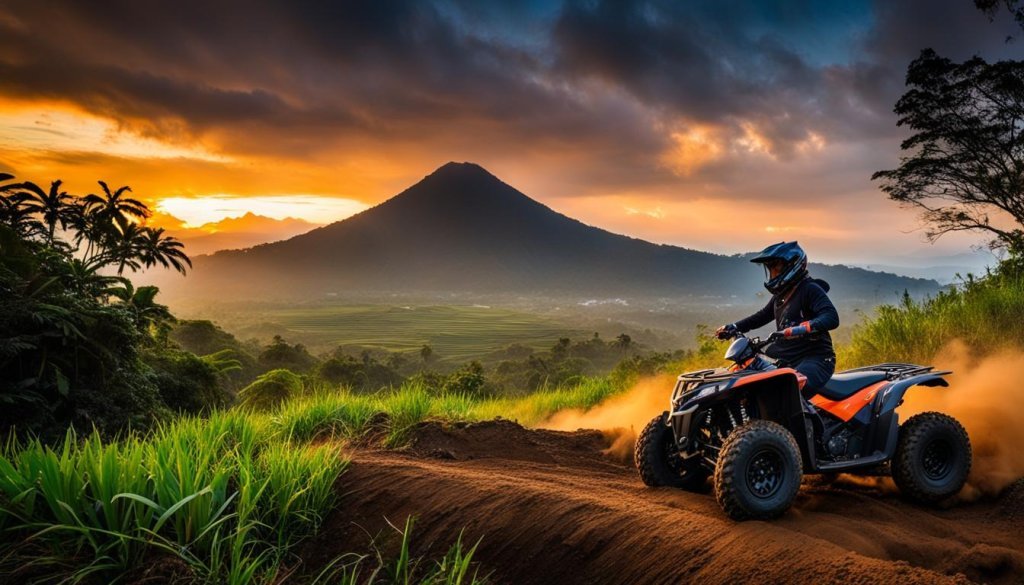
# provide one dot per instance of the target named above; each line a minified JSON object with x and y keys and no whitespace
{"x":606,"y":77}
{"x":716,"y":68}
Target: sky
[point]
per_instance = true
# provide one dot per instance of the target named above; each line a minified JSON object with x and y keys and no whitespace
{"x":715,"y":126}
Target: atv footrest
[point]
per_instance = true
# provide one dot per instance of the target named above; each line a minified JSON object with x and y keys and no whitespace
{"x":835,"y":466}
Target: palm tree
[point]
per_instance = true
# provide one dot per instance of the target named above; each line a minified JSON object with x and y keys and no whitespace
{"x":54,"y":206}
{"x":12,"y":208}
{"x":84,"y":278}
{"x":136,"y":246}
{"x":104,"y":214}
{"x":156,"y":248}
{"x":114,"y":206}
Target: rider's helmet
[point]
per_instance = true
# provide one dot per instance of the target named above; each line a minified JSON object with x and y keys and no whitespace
{"x":793,"y":265}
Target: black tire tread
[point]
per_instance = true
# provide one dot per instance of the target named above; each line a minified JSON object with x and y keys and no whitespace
{"x":654,"y":472}
{"x":911,"y":433}
{"x":725,"y":472}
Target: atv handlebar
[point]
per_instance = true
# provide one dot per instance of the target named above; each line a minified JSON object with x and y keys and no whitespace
{"x":757,"y":342}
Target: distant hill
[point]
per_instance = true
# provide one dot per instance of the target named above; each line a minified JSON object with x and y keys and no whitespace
{"x":461,"y":229}
{"x":234,"y":232}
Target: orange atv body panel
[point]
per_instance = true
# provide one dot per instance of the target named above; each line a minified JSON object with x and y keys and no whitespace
{"x":849,"y":407}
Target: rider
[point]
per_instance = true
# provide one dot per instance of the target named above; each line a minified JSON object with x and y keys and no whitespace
{"x":802,"y":312}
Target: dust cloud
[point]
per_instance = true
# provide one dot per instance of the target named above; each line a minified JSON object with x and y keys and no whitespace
{"x":620,"y":417}
{"x":986,"y":395}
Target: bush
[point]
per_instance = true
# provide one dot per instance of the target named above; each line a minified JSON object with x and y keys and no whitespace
{"x":270,"y":390}
{"x":186,"y":382}
{"x":468,"y":380}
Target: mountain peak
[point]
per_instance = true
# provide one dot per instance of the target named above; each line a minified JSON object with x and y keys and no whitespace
{"x":459,"y":168}
{"x":460,"y":174}
{"x":461,"y":187}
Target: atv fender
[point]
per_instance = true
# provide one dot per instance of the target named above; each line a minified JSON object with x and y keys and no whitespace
{"x":885,"y":428}
{"x":777,"y":396}
{"x":891,"y":397}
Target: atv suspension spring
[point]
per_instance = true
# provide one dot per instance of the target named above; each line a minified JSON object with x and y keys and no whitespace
{"x":732,"y":419}
{"x":743,"y":413}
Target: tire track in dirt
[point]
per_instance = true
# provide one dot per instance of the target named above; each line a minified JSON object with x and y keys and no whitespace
{"x":551,"y":509}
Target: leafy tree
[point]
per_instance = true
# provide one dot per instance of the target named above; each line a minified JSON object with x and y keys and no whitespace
{"x":427,"y":354}
{"x":624,"y":342}
{"x":280,"y":354}
{"x":964,"y":162}
{"x":468,"y":380}
{"x":236,"y":362}
{"x":366,"y":374}
{"x":1014,"y":7}
{"x":186,"y":382}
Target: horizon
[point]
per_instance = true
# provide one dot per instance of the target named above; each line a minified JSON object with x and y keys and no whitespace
{"x":782,"y":114}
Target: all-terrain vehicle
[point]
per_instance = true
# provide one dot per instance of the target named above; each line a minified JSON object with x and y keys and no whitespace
{"x":749,"y":428}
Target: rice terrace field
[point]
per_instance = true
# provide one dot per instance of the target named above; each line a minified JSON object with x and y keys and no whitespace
{"x":456,"y":333}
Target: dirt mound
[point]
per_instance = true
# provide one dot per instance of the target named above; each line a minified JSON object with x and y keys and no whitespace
{"x":505,"y":439}
{"x":551,"y":508}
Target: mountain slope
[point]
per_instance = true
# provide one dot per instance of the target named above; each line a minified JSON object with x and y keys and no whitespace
{"x":461,"y":229}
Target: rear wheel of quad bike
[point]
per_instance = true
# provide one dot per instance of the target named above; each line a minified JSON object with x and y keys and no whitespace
{"x":658,"y":461}
{"x":933,"y":457}
{"x":758,"y":472}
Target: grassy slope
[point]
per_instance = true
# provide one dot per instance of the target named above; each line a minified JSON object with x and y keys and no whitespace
{"x":984,"y":314}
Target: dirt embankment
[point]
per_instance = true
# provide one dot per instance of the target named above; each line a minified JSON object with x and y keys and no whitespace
{"x":551,"y":508}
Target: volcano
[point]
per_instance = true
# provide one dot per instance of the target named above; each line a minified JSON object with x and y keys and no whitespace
{"x":463,"y":230}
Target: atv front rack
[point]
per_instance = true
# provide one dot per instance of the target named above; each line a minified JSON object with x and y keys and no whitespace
{"x":689,"y":381}
{"x":895,"y":371}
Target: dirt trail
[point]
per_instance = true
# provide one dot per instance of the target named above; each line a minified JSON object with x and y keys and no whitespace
{"x":551,"y":508}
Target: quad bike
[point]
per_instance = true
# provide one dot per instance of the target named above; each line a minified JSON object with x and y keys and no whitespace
{"x":751,"y":430}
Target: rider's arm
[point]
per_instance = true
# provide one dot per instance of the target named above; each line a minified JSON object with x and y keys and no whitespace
{"x":825,"y":317}
{"x":758,"y":319}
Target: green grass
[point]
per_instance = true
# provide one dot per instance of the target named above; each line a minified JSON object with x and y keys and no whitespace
{"x":456,"y":333}
{"x":983,"y":314}
{"x":222,"y":494}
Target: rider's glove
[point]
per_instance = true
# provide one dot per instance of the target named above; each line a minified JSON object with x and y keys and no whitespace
{"x":797,"y":331}
{"x":726,"y":331}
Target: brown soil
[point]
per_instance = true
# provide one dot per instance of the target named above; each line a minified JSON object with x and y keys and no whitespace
{"x":550,"y":508}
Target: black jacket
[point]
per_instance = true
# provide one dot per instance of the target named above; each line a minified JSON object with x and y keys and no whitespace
{"x":809,"y":302}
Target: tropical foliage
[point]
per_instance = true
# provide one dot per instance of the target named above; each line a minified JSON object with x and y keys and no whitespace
{"x":79,"y":343}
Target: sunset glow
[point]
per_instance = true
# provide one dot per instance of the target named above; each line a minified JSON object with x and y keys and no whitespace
{"x":768,"y":123}
{"x":196,"y":211}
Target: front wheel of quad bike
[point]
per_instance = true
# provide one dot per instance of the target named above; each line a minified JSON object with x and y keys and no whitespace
{"x":932,"y":459}
{"x":758,"y":472}
{"x":658,"y":462}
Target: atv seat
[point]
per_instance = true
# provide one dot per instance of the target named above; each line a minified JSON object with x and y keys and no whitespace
{"x":844,"y":385}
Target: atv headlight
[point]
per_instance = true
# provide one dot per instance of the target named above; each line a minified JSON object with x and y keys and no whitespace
{"x":707,"y":392}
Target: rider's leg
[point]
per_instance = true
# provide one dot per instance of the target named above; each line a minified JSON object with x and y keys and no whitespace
{"x":818,"y":370}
